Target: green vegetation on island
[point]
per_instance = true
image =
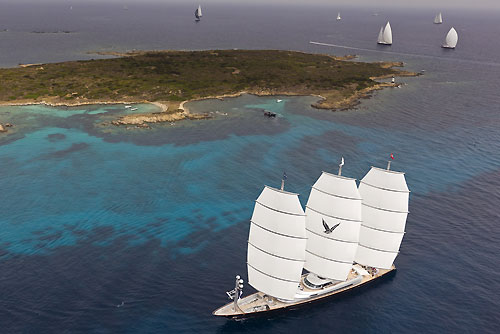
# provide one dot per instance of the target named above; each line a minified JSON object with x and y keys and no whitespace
{"x":168,"y":78}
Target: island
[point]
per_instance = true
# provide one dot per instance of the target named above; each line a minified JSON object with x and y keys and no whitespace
{"x":171,"y":78}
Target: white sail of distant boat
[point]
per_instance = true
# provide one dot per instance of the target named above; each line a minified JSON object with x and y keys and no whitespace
{"x":380,"y":38}
{"x":338,"y":17}
{"x":197,"y":13}
{"x":451,"y":39}
{"x":385,"y":209}
{"x":333,"y":219}
{"x":438,"y":19}
{"x":385,"y":35}
{"x":276,"y":244}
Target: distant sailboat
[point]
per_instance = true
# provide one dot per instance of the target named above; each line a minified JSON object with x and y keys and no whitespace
{"x":338,"y":17}
{"x":451,"y":39}
{"x":438,"y":19}
{"x":385,"y":35}
{"x":197,"y":13}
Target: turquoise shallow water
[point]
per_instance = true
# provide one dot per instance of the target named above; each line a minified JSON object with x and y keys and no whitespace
{"x":93,"y":215}
{"x":107,"y":176}
{"x":155,"y":211}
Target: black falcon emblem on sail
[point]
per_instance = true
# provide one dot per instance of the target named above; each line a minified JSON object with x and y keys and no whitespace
{"x":329,"y":229}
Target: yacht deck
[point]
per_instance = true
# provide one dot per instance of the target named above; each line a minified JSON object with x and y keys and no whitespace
{"x":259,"y":302}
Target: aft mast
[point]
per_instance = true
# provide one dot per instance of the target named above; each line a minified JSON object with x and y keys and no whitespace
{"x":276,"y":244}
{"x":385,"y":209}
{"x":333,"y":219}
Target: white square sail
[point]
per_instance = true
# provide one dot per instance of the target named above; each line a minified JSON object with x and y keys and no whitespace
{"x":333,"y":218}
{"x":385,"y":209}
{"x":276,"y":244}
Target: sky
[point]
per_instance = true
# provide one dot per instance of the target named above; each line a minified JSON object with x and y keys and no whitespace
{"x":441,"y":4}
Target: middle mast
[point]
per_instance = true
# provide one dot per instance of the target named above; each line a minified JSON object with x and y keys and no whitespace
{"x":333,"y":219}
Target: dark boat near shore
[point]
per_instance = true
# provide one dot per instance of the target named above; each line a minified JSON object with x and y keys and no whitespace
{"x":269,"y":113}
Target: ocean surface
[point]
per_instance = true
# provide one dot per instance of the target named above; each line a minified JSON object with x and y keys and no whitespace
{"x":115,"y":230}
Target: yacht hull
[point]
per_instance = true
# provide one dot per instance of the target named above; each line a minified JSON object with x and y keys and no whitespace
{"x":277,"y":306}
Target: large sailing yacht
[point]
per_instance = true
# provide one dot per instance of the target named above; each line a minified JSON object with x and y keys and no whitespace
{"x":347,"y":237}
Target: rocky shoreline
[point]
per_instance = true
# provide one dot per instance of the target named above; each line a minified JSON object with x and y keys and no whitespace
{"x":3,"y":127}
{"x":328,"y":102}
{"x":336,"y":98}
{"x":143,"y":120}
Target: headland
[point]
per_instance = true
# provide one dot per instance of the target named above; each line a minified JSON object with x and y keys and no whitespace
{"x":171,"y":78}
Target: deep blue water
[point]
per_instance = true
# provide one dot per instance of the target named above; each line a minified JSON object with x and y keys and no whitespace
{"x":93,"y":216}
